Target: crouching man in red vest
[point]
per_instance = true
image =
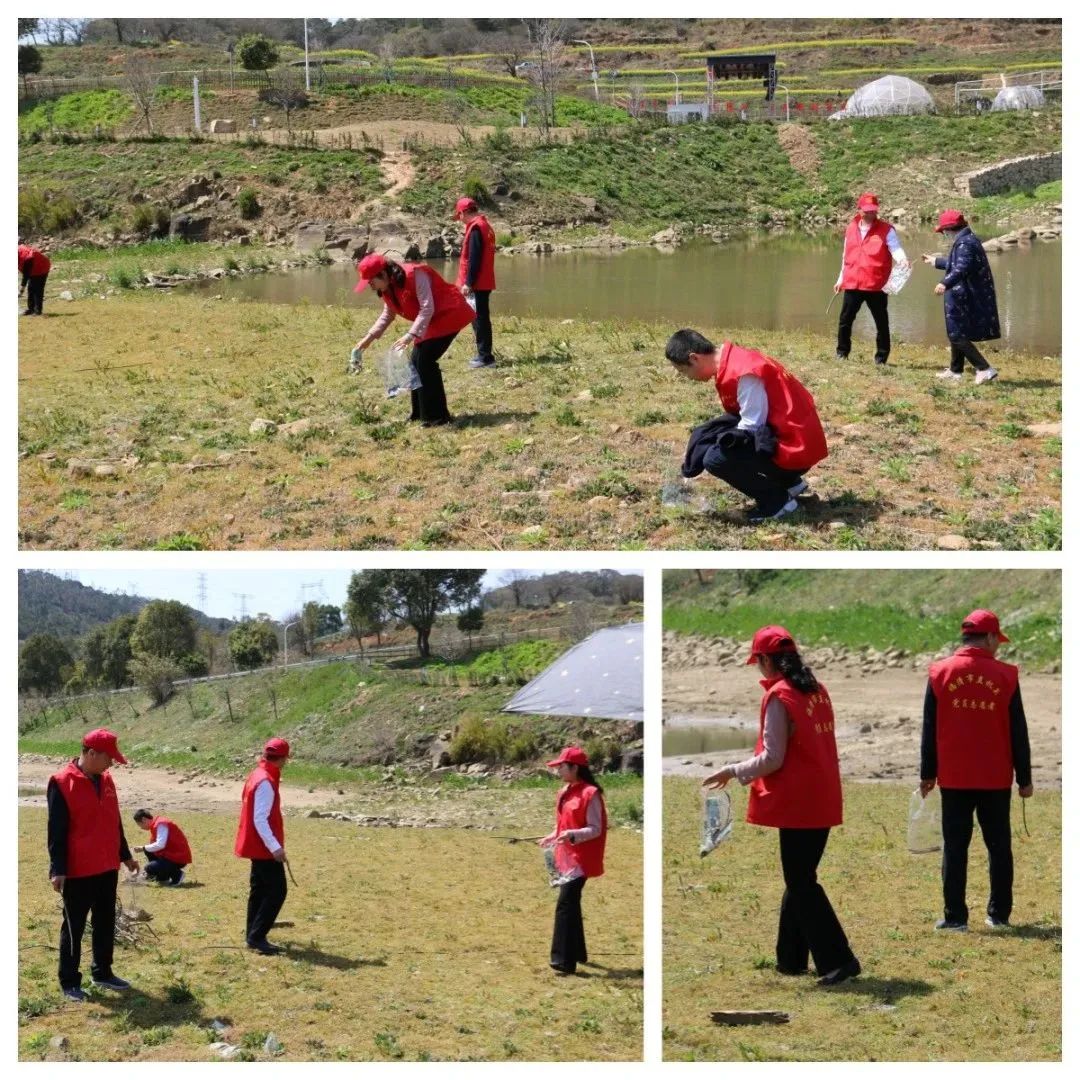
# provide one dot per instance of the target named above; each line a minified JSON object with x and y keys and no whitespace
{"x":794,"y":779}
{"x":870,"y":248}
{"x":169,"y":849}
{"x":261,"y":838}
{"x":476,"y":275}
{"x":86,"y":847}
{"x":579,"y":839}
{"x":770,"y":433}
{"x":974,"y":740}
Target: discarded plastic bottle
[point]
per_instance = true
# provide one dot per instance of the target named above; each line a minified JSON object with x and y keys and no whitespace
{"x":924,"y":823}
{"x":716,"y":821}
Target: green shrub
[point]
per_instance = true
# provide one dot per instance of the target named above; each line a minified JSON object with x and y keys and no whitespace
{"x":478,"y":740}
{"x":475,"y":188}
{"x":247,"y":202}
{"x":42,"y":211}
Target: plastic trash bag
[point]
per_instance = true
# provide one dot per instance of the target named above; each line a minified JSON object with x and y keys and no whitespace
{"x":897,"y":279}
{"x":471,"y":300}
{"x":716,"y":821}
{"x":559,"y":865}
{"x":356,"y":361}
{"x":678,"y":492}
{"x":397,"y":372}
{"x":924,"y":823}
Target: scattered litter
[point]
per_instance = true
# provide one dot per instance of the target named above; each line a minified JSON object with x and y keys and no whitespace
{"x":556,"y":876}
{"x":716,"y":821}
{"x":924,"y":822}
{"x":397,"y":372}
{"x":273,"y":1045}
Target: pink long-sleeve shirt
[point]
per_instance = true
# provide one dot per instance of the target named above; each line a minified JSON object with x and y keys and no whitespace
{"x":420,"y":324}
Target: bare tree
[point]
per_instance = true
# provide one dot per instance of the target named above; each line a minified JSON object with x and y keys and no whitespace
{"x":517,"y":581}
{"x":547,"y":39}
{"x":285,"y":96}
{"x":635,"y":99}
{"x":556,"y":587}
{"x":387,"y":56}
{"x":142,"y":83}
{"x":75,"y":29}
{"x":510,"y":52}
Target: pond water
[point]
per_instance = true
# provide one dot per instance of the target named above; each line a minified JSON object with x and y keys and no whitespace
{"x":705,"y":738}
{"x":770,"y":281}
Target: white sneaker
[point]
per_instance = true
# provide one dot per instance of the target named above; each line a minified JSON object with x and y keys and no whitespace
{"x":757,"y":516}
{"x":798,"y":489}
{"x":948,"y":373}
{"x":987,"y":375}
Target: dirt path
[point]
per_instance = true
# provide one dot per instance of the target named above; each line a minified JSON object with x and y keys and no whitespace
{"x":179,"y":789}
{"x":879,"y":718}
{"x":398,"y":172}
{"x":801,"y":147}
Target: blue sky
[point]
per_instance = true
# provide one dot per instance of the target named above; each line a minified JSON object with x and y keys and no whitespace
{"x":277,"y":592}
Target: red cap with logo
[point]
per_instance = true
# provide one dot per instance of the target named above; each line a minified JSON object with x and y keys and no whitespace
{"x":276,"y":748}
{"x":368,"y":267}
{"x":768,"y":640}
{"x":982,"y":621}
{"x":105,"y":743}
{"x":950,"y":219}
{"x":869,"y":201}
{"x":571,"y":755}
{"x":464,"y":205}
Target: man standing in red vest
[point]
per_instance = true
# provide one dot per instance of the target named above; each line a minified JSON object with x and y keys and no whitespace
{"x":870,"y":248}
{"x":169,"y":849}
{"x":476,"y":275}
{"x":261,"y":838}
{"x":974,"y":740}
{"x":770,"y":433}
{"x":35,"y":267}
{"x":86,"y":847}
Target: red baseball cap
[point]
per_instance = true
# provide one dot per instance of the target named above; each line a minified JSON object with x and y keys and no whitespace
{"x":368,"y":267}
{"x":950,"y":219}
{"x":105,"y":743}
{"x":464,"y":204}
{"x":571,"y":755}
{"x":771,"y":639}
{"x":982,"y":621}
{"x":276,"y":748}
{"x":869,"y":201}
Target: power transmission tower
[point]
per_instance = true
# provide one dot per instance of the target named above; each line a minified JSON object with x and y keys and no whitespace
{"x":201,"y":592}
{"x":317,"y":586}
{"x":243,"y":598}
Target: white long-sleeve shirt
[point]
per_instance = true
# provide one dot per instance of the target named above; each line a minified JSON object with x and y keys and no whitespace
{"x":774,"y":739}
{"x":422,"y":284}
{"x":264,"y":803}
{"x":161,"y":838}
{"x":891,"y":239}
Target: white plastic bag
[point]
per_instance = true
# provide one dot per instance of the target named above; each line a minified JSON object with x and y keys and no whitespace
{"x":924,"y":823}
{"x":560,"y":871}
{"x":897,"y":279}
{"x":397,"y":372}
{"x":356,"y":361}
{"x":716,"y":821}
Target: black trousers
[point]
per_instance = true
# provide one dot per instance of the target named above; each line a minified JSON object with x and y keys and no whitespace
{"x":429,"y":402}
{"x":482,"y":325}
{"x":266,"y":897}
{"x":991,"y":808}
{"x":878,"y":303}
{"x":755,"y":475}
{"x":94,"y":896}
{"x":163,"y":869}
{"x":568,"y":937}
{"x":808,"y":924}
{"x":35,"y":293}
{"x":962,"y":350}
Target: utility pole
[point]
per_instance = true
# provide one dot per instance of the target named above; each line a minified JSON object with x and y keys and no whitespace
{"x":592,"y":64}
{"x":198,"y":103}
{"x":307,"y":73}
{"x":676,"y":74}
{"x":287,"y":625}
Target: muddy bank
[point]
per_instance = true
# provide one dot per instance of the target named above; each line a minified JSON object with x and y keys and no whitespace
{"x":878,"y":713}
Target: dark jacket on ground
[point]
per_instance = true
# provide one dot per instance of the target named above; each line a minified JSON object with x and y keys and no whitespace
{"x":970,"y":299}
{"x":1018,"y":737}
{"x":722,"y":435}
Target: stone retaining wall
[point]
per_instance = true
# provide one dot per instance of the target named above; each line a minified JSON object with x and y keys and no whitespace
{"x":1022,"y":173}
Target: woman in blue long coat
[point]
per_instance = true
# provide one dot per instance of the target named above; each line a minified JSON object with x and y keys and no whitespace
{"x":970,"y":299}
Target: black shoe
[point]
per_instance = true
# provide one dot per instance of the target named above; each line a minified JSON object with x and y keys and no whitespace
{"x":956,"y":927}
{"x":265,"y":947}
{"x":781,"y":970}
{"x":438,"y":423}
{"x":563,"y":970}
{"x":841,"y":974}
{"x":997,"y":924}
{"x":881,"y":360}
{"x":110,"y":982}
{"x":841,"y":355}
{"x":74,"y":993}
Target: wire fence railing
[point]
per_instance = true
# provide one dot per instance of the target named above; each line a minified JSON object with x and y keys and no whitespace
{"x":971,"y":90}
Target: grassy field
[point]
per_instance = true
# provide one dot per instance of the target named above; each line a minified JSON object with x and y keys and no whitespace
{"x":565,"y":445}
{"x":388,"y":954}
{"x":983,"y":996}
{"x":924,"y":607}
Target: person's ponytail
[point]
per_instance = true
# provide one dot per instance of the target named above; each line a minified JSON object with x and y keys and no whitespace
{"x":793,"y":670}
{"x":585,"y":775}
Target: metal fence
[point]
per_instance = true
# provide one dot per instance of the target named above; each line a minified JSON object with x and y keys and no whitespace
{"x":971,"y":90}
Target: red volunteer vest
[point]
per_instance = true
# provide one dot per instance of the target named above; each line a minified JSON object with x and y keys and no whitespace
{"x":452,"y":313}
{"x":867,"y":263}
{"x":973,"y":691}
{"x":176,"y":848}
{"x":792,"y":413}
{"x":93,"y":843}
{"x":39,"y":261}
{"x":485,"y":279}
{"x":249,"y":844}
{"x":804,"y":793}
{"x":571,"y":812}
